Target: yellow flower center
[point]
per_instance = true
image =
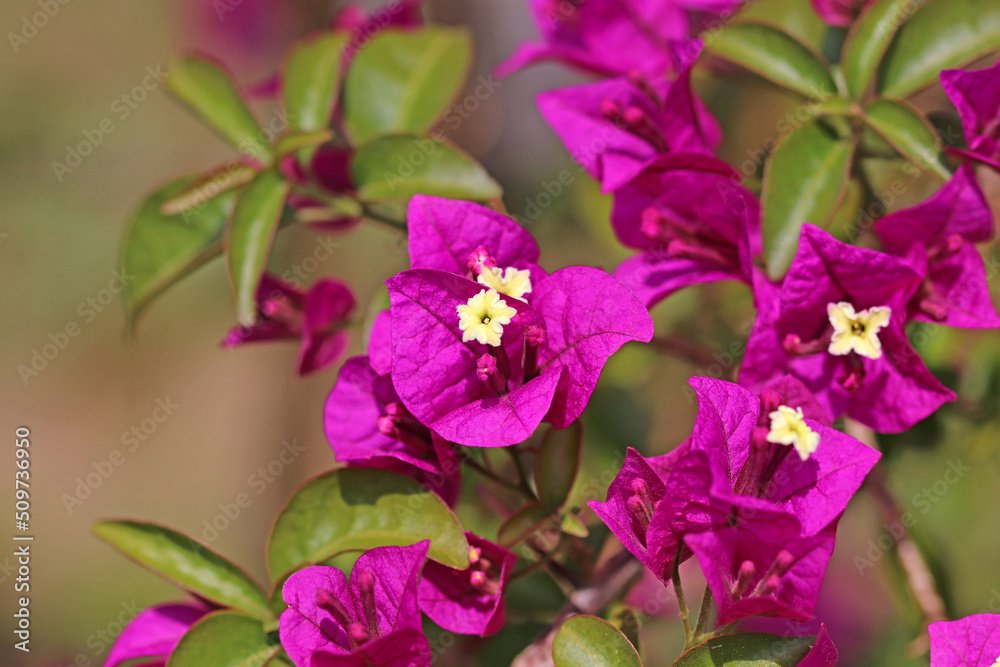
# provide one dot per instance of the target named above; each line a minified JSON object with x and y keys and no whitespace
{"x":483,"y":318}
{"x":788,"y":427}
{"x":857,"y":332}
{"x":511,"y":281}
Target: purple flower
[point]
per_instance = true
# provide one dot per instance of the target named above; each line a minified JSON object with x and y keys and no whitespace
{"x":938,"y":236}
{"x":761,"y":564}
{"x":693,"y":221}
{"x":365,"y":25}
{"x":613,"y":127}
{"x":469,"y":601}
{"x":371,"y":621}
{"x":973,"y":641}
{"x":317,"y":317}
{"x":485,"y":345}
{"x":734,"y":492}
{"x":837,"y":323}
{"x":613,"y":36}
{"x":153,"y":634}
{"x":840,"y":12}
{"x":976,"y":95}
{"x":367,"y":425}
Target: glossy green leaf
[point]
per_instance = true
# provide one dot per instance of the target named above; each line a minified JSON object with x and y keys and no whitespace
{"x":775,"y":56}
{"x":357,"y":509}
{"x":943,"y":34}
{"x":187,"y":563}
{"x":207,"y":186}
{"x":588,"y":641}
{"x":291,"y":142}
{"x":834,"y":106}
{"x":402,"y":81}
{"x":312,"y":79}
{"x":207,"y":90}
{"x":251,"y":233}
{"x":159,"y":249}
{"x":868,"y":40}
{"x":557,"y":464}
{"x":909,"y":132}
{"x":400,"y":166}
{"x":804,"y":180}
{"x":224,"y":639}
{"x":572,"y":525}
{"x":748,"y":650}
{"x":523,"y":523}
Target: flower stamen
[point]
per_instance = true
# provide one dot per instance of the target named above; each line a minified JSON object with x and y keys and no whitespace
{"x":510,"y":281}
{"x":484,"y":317}
{"x":788,"y":427}
{"x":857,"y":332}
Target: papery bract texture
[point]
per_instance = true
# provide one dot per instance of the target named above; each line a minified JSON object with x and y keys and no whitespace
{"x":889,"y":389}
{"x":613,"y":36}
{"x":976,"y":95}
{"x":973,"y":641}
{"x":317,"y":317}
{"x":938,"y":236}
{"x":371,"y":621}
{"x":693,"y":222}
{"x":469,"y":601}
{"x":613,"y":127}
{"x":154,"y":633}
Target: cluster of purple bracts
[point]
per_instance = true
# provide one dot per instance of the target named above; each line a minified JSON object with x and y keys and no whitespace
{"x":480,"y":345}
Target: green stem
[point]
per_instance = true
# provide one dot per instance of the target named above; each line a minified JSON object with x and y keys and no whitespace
{"x":372,"y":215}
{"x":718,"y":632}
{"x":522,"y":474}
{"x":703,"y":614}
{"x":489,"y":474}
{"x":682,"y":603}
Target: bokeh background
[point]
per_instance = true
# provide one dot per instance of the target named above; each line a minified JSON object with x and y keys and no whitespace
{"x":231,"y":413}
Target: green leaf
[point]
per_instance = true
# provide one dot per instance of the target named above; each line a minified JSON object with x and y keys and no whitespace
{"x":207,"y":90}
{"x":572,"y":525}
{"x":944,"y":34}
{"x":835,"y":106}
{"x":523,"y":523}
{"x":557,"y":464}
{"x":748,"y":650}
{"x":868,"y":40}
{"x":804,"y":180}
{"x":209,"y":185}
{"x":291,"y":142}
{"x":909,"y":132}
{"x":402,"y":81}
{"x":357,"y":509}
{"x":251,"y":232}
{"x":588,"y":641}
{"x":776,"y":56}
{"x":400,"y":166}
{"x":224,"y":639}
{"x":160,"y":249}
{"x":187,"y":563}
{"x":312,"y":80}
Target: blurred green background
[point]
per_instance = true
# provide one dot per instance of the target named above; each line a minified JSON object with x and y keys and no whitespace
{"x":231,"y":412}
